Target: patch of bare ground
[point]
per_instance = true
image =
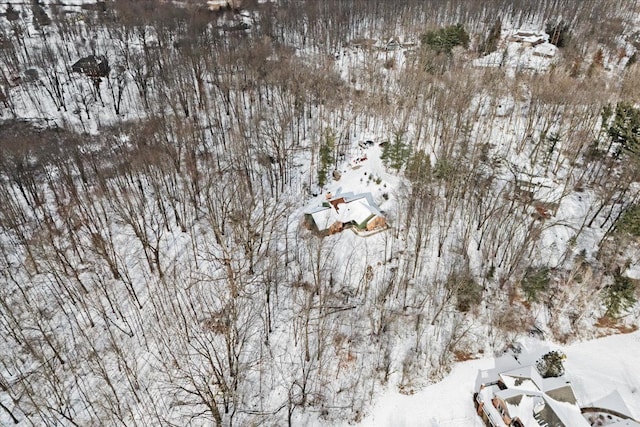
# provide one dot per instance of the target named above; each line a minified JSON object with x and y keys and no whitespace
{"x":608,"y":325}
{"x":463,"y":356}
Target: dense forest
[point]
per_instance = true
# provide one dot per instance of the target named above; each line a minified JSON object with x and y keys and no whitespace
{"x":157,"y":158}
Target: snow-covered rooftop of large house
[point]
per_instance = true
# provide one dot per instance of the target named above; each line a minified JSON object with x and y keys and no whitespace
{"x":526,"y":398}
{"x":357,"y":210}
{"x":514,"y":389}
{"x":344,"y":208}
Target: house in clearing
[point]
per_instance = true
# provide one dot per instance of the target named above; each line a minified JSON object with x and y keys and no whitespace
{"x":337,"y":213}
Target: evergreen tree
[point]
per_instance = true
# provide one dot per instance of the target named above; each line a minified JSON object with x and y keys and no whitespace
{"x":535,"y":281}
{"x":619,"y":296}
{"x":395,"y":155}
{"x":625,"y":129}
{"x":445,"y":39}
{"x":325,"y":156}
{"x":629,"y":221}
{"x":551,"y":364}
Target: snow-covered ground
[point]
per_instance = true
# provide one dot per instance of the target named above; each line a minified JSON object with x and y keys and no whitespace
{"x":596,"y":369}
{"x":336,"y":321}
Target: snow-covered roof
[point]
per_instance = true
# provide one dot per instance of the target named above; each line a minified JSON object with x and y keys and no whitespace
{"x":532,"y":406}
{"x":344,"y":208}
{"x":525,"y":410}
{"x":614,"y":402}
{"x":524,"y":378}
{"x":510,"y":393}
{"x":357,"y":210}
{"x":324,"y":217}
{"x":219,"y":4}
{"x":526,"y":396}
{"x":595,"y":368}
{"x":502,"y":364}
{"x":554,"y":383}
{"x":546,"y":49}
{"x":529,"y":36}
{"x":316,"y":209}
{"x":569,"y":414}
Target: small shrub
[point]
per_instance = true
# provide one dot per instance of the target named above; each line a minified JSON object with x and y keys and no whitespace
{"x":535,"y":282}
{"x":12,"y":14}
{"x":390,"y":63}
{"x":443,"y":169}
{"x":467,"y":291}
{"x":598,"y":58}
{"x":551,"y":364}
{"x":490,"y":272}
